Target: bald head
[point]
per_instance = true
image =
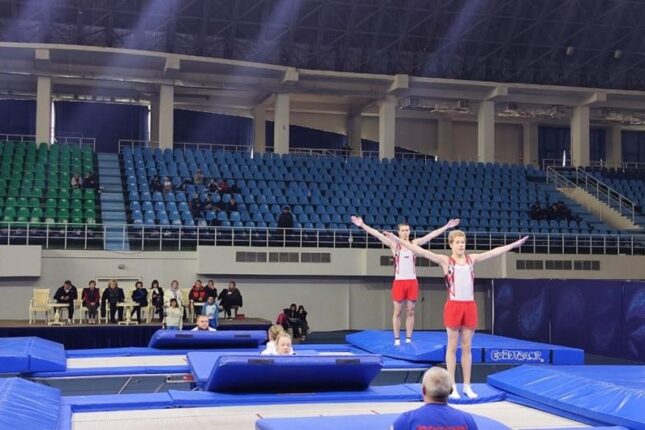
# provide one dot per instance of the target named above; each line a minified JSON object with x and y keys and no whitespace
{"x":437,"y":385}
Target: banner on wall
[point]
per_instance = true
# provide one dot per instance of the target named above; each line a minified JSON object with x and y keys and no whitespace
{"x":521,"y":309}
{"x":634,"y":320}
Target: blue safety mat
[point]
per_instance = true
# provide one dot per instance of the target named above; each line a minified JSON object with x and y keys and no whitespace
{"x":115,"y":371}
{"x":171,"y":339}
{"x":31,"y":354}
{"x":430,"y":346}
{"x":27,"y":405}
{"x":384,"y":393}
{"x":296,"y":373}
{"x":609,"y":395}
{"x":372,"y":422}
{"x":118,"y":402}
{"x":486,"y":393}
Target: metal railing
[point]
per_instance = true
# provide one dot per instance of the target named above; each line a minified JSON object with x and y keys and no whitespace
{"x":129,"y":143}
{"x":83,"y":142}
{"x":569,"y":177}
{"x":184,"y":238}
{"x":622,"y":165}
{"x":401,"y":156}
{"x":556,"y":162}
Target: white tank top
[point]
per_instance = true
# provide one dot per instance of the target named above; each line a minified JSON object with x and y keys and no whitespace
{"x":404,"y":264}
{"x":460,"y":280}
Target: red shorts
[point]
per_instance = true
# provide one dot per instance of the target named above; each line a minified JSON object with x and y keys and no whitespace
{"x":457,"y":314}
{"x":405,"y":289}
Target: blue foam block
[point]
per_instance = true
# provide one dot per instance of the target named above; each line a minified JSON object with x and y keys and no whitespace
{"x":372,"y":422}
{"x":118,"y":402}
{"x":31,"y":354}
{"x":295,"y":373}
{"x":611,"y":395}
{"x":384,"y":393}
{"x":426,"y":347}
{"x":487,"y":394}
{"x":173,"y":339}
{"x":27,"y":405}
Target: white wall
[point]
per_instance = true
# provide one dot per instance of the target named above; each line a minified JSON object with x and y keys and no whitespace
{"x":508,"y":143}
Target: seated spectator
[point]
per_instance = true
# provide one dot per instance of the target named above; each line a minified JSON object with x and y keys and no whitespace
{"x":231,"y":206}
{"x":223,"y":187}
{"x":174,"y":292}
{"x":91,"y":301}
{"x":139,"y":296}
{"x":202,"y":324}
{"x":283,"y":319}
{"x":186,"y":182}
{"x":156,"y":294}
{"x":211,"y":309}
{"x":272,"y":333}
{"x":167,"y":185}
{"x":67,"y":293}
{"x":198,"y":294}
{"x":435,"y":413}
{"x":75,"y":182}
{"x":211,"y":289}
{"x":155,"y":184}
{"x":535,"y":211}
{"x":213,"y":187}
{"x":208,"y":204}
{"x":112,"y":296}
{"x":234,"y":189}
{"x":198,"y":178}
{"x":301,"y":314}
{"x":195,"y":206}
{"x":173,"y":319}
{"x":89,"y":181}
{"x":285,"y":220}
{"x":231,"y":299}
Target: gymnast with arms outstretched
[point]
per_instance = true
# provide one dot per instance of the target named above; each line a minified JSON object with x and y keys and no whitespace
{"x":460,"y":310}
{"x":405,"y":287}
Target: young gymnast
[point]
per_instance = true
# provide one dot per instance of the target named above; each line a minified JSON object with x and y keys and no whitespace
{"x":405,"y":287}
{"x":460,"y":310}
{"x":271,"y":346}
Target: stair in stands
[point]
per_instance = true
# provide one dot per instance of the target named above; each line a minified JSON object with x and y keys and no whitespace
{"x":112,"y":203}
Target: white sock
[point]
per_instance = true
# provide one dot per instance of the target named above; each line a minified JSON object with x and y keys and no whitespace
{"x":408,"y":340}
{"x":455,"y":394}
{"x":468,"y":391}
{"x":397,"y":342}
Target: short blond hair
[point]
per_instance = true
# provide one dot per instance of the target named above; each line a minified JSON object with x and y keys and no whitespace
{"x":455,"y":233}
{"x":274,"y":331}
{"x":281,"y":335}
{"x":437,"y":383}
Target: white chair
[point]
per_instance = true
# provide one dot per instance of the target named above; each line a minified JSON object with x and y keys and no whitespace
{"x":39,"y":303}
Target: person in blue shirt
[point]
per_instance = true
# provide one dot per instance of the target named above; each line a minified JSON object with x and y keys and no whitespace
{"x":211,"y":309}
{"x":435,"y":413}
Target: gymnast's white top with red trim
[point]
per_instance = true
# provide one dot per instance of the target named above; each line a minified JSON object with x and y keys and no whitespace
{"x":460,"y":280}
{"x":404,"y":264}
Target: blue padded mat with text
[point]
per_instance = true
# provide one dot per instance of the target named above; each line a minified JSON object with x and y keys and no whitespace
{"x":610,"y":395}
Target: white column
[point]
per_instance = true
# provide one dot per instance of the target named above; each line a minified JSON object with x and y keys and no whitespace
{"x":166,"y":116}
{"x":614,"y":139}
{"x":444,"y":139}
{"x":580,"y":136}
{"x":44,"y":110}
{"x":387,"y":127}
{"x":530,"y":143}
{"x":355,"y":134}
{"x":486,"y":132}
{"x":259,"y":129}
{"x":281,"y":126}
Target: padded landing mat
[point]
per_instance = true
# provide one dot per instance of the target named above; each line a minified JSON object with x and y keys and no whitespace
{"x":28,"y":405}
{"x":430,"y":346}
{"x":610,"y":395}
{"x":31,"y":354}
{"x":486,"y":393}
{"x":175,"y":339}
{"x":372,"y":422}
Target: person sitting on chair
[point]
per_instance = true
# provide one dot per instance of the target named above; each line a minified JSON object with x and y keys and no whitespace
{"x":113,"y":295}
{"x":67,"y":294}
{"x":91,"y":300}
{"x":435,"y":414}
{"x":139,"y":296}
{"x":202,"y":324}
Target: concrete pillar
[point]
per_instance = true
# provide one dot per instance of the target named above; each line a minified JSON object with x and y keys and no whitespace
{"x":614,"y":140}
{"x":354,"y":134}
{"x":162,"y":117}
{"x":281,"y":128}
{"x":44,"y":110}
{"x":486,"y":132}
{"x":444,"y":139}
{"x":387,"y":127}
{"x":530,"y":143}
{"x":259,"y":129}
{"x":580,"y":136}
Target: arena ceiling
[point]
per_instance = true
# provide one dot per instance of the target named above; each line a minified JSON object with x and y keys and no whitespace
{"x":587,"y":43}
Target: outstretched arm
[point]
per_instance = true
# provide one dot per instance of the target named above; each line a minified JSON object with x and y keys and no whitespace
{"x":438,"y":232}
{"x":358,"y":221}
{"x":498,"y":251}
{"x":439,"y":259}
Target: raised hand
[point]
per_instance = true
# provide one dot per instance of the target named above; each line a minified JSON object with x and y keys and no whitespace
{"x":453,"y":223}
{"x":357,"y":221}
{"x":522,"y":241}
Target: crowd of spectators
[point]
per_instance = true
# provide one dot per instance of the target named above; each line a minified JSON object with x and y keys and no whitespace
{"x":294,"y":318}
{"x":88,"y":181}
{"x":553,"y":212}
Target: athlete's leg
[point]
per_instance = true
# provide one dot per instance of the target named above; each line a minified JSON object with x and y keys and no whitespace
{"x":451,"y":357}
{"x":467,"y":359}
{"x":396,"y":319}
{"x":409,"y":319}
